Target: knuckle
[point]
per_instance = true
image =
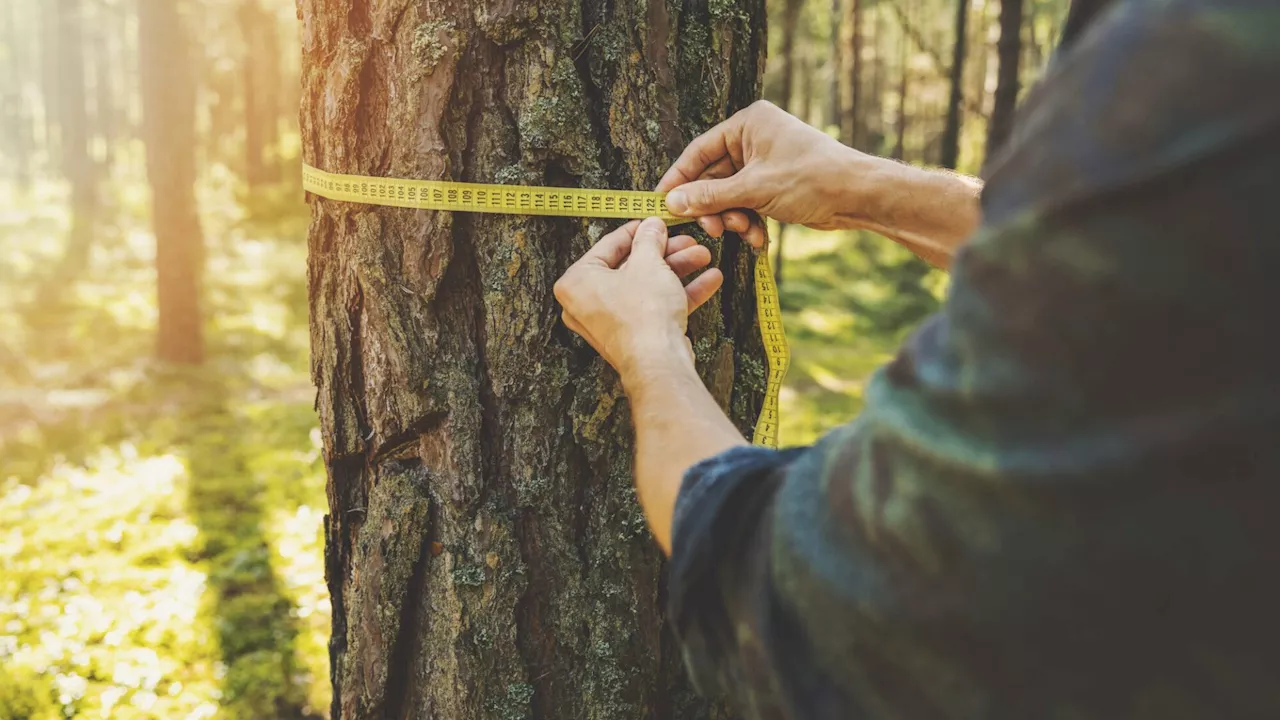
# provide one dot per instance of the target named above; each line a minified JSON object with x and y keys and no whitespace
{"x":561,"y":289}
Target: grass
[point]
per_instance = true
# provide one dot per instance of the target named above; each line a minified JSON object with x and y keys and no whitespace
{"x":844,"y":318}
{"x":159,"y":529}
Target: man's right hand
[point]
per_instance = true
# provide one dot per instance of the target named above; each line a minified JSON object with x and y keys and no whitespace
{"x":766,"y":160}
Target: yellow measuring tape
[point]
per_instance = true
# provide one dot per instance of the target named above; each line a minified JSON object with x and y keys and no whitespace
{"x":565,"y":202}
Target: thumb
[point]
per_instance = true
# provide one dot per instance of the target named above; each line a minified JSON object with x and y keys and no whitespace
{"x":650,"y":240}
{"x":708,"y":197}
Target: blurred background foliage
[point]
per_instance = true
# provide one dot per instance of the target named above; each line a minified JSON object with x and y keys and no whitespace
{"x":161,"y":487}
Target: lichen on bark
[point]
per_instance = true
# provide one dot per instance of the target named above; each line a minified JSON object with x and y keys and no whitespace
{"x":485,"y":552}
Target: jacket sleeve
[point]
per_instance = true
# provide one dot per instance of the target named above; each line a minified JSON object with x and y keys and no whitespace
{"x":1053,"y":503}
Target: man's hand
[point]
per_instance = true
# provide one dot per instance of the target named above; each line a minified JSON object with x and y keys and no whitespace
{"x":626,"y":298}
{"x":767,"y":161}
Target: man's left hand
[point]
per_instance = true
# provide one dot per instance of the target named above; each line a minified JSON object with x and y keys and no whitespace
{"x":626,"y":298}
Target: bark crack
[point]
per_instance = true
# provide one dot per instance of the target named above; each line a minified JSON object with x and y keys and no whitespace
{"x":399,"y":686}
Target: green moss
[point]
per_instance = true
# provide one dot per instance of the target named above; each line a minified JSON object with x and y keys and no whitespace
{"x":556,"y":122}
{"x":726,"y":11}
{"x":510,"y":175}
{"x":468,"y":576}
{"x":433,"y":40}
{"x":507,"y":27}
{"x":515,"y":704}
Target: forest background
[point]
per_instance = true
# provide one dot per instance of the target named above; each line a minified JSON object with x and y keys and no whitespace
{"x":161,"y":483}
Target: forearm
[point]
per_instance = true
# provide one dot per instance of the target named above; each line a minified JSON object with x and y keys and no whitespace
{"x":677,"y":425}
{"x":930,"y":212}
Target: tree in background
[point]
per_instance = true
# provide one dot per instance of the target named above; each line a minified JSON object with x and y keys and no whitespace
{"x":854,"y":122}
{"x":169,"y":128}
{"x":18,"y":140}
{"x":950,"y":154}
{"x":835,"y":114}
{"x":73,"y":121}
{"x":486,"y":554}
{"x":260,"y":82}
{"x":790,"y":32}
{"x":1008,"y":84}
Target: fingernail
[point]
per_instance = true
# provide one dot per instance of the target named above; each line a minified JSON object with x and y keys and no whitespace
{"x":653,"y":224}
{"x":677,"y":202}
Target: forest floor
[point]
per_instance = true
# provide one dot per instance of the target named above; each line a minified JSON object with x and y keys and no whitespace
{"x":160,"y":530}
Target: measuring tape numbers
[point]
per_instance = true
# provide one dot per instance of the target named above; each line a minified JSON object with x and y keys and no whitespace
{"x":565,"y":202}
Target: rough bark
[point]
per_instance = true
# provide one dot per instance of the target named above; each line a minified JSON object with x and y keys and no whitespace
{"x":485,"y":553}
{"x":1009,"y":52}
{"x":950,"y":151}
{"x":169,"y":128}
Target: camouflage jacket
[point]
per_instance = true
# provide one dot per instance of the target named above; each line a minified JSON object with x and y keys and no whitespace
{"x":1062,"y":499}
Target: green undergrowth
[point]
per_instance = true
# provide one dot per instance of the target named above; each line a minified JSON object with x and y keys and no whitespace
{"x":848,"y":300}
{"x":160,"y":529}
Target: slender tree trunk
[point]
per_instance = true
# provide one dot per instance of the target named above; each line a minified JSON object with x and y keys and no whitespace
{"x":949,"y":153}
{"x":900,"y":143}
{"x":270,"y":88}
{"x":1009,"y":51}
{"x":856,"y":122}
{"x":790,"y":29}
{"x":77,"y":161}
{"x":977,"y":72}
{"x":50,"y":60}
{"x":255,"y":142}
{"x":485,"y":553}
{"x":104,"y":93}
{"x":835,"y":115}
{"x":168,"y":126}
{"x":17,"y":116}
{"x":804,"y":103}
{"x":872,"y":118}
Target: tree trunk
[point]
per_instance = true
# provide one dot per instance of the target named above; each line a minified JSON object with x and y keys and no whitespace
{"x":270,"y":86}
{"x":77,"y":161}
{"x":485,"y":553}
{"x":979,"y":36}
{"x":835,"y":115}
{"x":856,"y":123}
{"x":790,"y":29}
{"x":900,"y":142}
{"x":50,"y":60}
{"x":169,"y":129}
{"x":871,"y":117}
{"x":255,"y":142}
{"x":17,"y":117}
{"x":104,"y":93}
{"x":950,"y":152}
{"x":1009,"y":51}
